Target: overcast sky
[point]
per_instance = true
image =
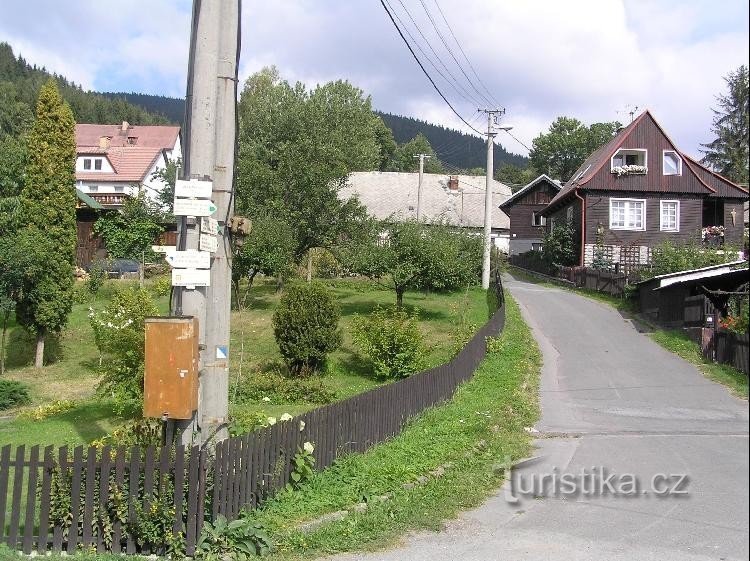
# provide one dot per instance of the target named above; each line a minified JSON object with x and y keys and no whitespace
{"x":539,"y":59}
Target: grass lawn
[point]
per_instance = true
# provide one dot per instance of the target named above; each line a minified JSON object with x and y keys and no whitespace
{"x":252,"y":349}
{"x":470,"y":435}
{"x":674,"y":340}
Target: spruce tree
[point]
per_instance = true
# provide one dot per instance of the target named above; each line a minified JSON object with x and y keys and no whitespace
{"x":48,"y":201}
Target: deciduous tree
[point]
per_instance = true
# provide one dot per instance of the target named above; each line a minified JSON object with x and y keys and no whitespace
{"x":48,"y":201}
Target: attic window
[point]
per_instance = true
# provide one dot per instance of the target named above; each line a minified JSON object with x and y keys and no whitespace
{"x":132,"y":140}
{"x":629,"y":161}
{"x":672,"y":163}
{"x":87,"y":163}
{"x":98,"y":164}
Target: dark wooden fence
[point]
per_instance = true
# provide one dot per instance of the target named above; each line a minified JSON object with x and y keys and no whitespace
{"x":52,"y":499}
{"x":733,"y":349}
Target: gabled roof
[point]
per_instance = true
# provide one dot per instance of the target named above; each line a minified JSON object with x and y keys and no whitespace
{"x":393,"y":195}
{"x":708,"y":182}
{"x":149,"y":136}
{"x":131,"y":164}
{"x":521,"y":192}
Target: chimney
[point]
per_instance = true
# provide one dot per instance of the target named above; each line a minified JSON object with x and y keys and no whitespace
{"x":125,"y":126}
{"x":104,"y":142}
{"x":453,"y":183}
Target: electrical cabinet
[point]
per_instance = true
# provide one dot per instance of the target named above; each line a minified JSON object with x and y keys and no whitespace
{"x":171,"y":367}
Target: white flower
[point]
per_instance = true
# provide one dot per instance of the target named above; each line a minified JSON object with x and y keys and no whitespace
{"x":308,"y":447}
{"x":271,"y":420}
{"x":285,"y":417}
{"x":266,"y":399}
{"x":301,"y":426}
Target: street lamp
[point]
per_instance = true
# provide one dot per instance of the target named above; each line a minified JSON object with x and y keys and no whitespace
{"x":488,"y":202}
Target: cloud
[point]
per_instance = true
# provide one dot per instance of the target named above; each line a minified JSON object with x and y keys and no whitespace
{"x":539,"y":59}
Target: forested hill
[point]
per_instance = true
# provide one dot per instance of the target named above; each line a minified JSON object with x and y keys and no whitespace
{"x":19,"y":88}
{"x":172,"y":108}
{"x":452,"y":147}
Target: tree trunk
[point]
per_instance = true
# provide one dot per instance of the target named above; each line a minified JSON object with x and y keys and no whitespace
{"x":309,"y":265}
{"x":399,"y":297}
{"x":2,"y":345}
{"x":39,"y":359}
{"x":279,"y":282}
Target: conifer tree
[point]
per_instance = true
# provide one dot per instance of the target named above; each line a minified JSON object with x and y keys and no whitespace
{"x":48,"y":202}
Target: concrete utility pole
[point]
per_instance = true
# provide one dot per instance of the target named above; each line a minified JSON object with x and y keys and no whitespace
{"x":488,"y":196}
{"x":421,"y":173}
{"x":209,"y":155}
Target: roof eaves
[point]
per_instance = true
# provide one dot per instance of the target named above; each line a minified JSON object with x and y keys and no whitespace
{"x":717,"y":175}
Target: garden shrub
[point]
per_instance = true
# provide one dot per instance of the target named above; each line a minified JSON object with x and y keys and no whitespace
{"x":97,"y":276}
{"x":325,"y":264}
{"x":49,"y":410}
{"x":119,"y":335}
{"x":391,"y":339}
{"x":275,"y":388}
{"x":559,"y":245}
{"x":668,"y":257}
{"x":13,"y":394}
{"x":162,"y":286}
{"x":137,"y":432}
{"x":305,"y":325}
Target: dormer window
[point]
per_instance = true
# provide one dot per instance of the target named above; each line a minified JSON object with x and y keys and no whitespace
{"x":87,"y":163}
{"x":672,"y":163}
{"x":98,"y":164}
{"x":629,"y":161}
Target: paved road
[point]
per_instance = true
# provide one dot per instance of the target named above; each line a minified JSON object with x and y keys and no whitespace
{"x":611,"y":399}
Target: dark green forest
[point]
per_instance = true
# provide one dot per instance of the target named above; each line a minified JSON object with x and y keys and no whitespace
{"x":19,"y":87}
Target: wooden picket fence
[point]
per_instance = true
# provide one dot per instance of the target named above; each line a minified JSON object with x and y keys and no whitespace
{"x":98,"y":498}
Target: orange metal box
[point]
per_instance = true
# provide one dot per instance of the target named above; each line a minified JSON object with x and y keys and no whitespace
{"x":171,"y":373}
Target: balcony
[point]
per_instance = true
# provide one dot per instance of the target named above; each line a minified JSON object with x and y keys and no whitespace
{"x":109,"y":199}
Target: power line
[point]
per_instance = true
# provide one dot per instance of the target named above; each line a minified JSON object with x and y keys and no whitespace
{"x":464,"y":54}
{"x":463,"y":92}
{"x":519,"y":142}
{"x":450,"y":52}
{"x":413,"y":54}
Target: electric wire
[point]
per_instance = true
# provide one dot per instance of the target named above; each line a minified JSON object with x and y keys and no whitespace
{"x":424,"y":70}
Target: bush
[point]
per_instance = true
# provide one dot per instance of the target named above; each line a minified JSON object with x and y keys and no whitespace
{"x":671,"y":258}
{"x":50,"y":410}
{"x":97,"y":276}
{"x":273,"y":387}
{"x":119,"y":335}
{"x":325,"y":264}
{"x":13,"y":394}
{"x":305,"y":325}
{"x":392,"y":341}
{"x":559,"y":245}
{"x":138,"y":432}
{"x":162,"y":286}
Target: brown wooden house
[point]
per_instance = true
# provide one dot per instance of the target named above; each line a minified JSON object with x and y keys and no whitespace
{"x":640,"y":190}
{"x":524,"y":207}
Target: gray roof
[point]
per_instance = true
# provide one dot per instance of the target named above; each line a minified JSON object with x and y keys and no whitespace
{"x":388,"y":194}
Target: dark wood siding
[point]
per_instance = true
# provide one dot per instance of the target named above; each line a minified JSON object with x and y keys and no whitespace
{"x":597,"y":211}
{"x":733,"y":232}
{"x":520,"y":222}
{"x":647,"y":135}
{"x":520,"y":211}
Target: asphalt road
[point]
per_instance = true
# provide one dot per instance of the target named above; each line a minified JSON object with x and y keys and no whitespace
{"x":616,"y":409}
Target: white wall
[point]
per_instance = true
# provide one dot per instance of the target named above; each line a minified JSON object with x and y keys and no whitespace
{"x":106,"y":167}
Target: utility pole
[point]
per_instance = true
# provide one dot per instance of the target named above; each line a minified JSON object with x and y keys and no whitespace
{"x":421,"y":173}
{"x":488,"y":196}
{"x":209,"y":155}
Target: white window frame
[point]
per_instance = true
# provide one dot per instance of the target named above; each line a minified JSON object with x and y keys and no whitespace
{"x":663,"y":160}
{"x":90,"y":164}
{"x":99,"y":162}
{"x":537,"y":219}
{"x":662,"y":227}
{"x":93,"y":188}
{"x":645,"y":156}
{"x":626,"y":227}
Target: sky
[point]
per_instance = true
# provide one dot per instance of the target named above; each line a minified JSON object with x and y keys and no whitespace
{"x":595,"y":60}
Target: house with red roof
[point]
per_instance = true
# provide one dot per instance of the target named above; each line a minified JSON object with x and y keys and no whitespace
{"x":639,"y":190}
{"x":115,"y":161}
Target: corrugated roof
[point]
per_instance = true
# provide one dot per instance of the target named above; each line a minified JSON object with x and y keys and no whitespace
{"x":394,"y":195}
{"x":150,"y":136}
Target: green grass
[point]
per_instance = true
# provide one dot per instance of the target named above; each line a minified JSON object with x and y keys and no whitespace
{"x":673,"y":340}
{"x":493,"y":407}
{"x":253,"y":348}
{"x":678,"y":342}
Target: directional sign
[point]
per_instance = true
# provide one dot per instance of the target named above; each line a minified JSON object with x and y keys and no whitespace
{"x":191,"y":277}
{"x":207,"y":242}
{"x":209,"y":225}
{"x":163,"y":248}
{"x":189,"y":259}
{"x":193,"y":207}
{"x":193,"y":188}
